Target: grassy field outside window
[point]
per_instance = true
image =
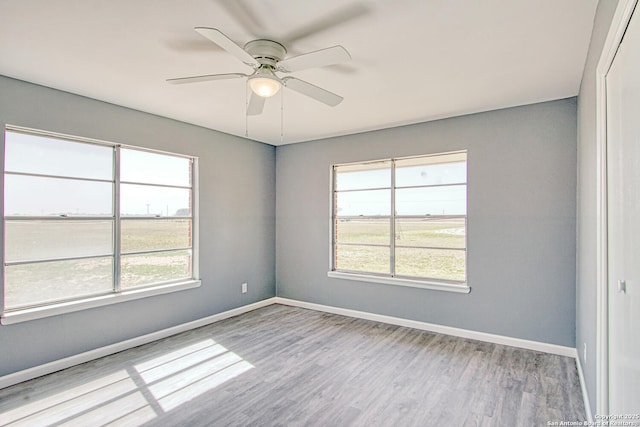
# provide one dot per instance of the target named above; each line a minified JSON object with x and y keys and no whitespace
{"x":88,"y":218}
{"x":401,"y":217}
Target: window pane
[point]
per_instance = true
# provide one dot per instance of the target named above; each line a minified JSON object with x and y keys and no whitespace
{"x":449,"y":200}
{"x":431,"y":263}
{"x":156,"y":201}
{"x":46,"y":282}
{"x":36,"y":240}
{"x":435,"y":233}
{"x":368,"y":259}
{"x":355,"y":230}
{"x":371,"y":202}
{"x":368,"y":175}
{"x":37,"y":196}
{"x":147,"y":269}
{"x":154,"y":168}
{"x":147,"y":235}
{"x":50,"y":156}
{"x":409,"y":174}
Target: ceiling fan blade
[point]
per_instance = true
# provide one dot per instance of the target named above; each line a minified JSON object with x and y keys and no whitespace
{"x":206,"y":78}
{"x":333,"y":19}
{"x":312,"y":91}
{"x":227,"y":44}
{"x":319,"y":58}
{"x":244,"y":16}
{"x":256,"y":105}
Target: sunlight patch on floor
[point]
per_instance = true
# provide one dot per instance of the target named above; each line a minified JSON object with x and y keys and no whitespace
{"x":134,"y":395}
{"x":190,"y":374}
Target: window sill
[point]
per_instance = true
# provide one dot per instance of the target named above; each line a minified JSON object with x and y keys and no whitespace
{"x":27,"y":314}
{"x":461,"y":288}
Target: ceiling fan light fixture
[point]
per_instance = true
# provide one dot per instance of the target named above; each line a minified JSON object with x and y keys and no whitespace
{"x":264,"y":86}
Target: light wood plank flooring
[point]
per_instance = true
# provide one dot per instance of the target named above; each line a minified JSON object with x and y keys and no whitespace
{"x":284,"y":366}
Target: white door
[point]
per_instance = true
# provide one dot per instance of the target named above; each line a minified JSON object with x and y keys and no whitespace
{"x":623,"y":174}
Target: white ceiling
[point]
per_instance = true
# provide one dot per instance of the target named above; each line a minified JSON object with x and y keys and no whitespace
{"x":413,"y":60}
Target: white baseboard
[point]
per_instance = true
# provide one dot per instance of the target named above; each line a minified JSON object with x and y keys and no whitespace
{"x":583,"y":386}
{"x":77,"y":359}
{"x":447,"y":330}
{"x":67,"y":362}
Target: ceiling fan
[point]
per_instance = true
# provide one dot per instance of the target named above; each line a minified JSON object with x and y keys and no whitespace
{"x":268,"y":57}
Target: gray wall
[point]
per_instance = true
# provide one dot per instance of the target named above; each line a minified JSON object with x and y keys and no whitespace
{"x":237,"y":224}
{"x":521,"y":240}
{"x":521,"y":222}
{"x":586,"y":231}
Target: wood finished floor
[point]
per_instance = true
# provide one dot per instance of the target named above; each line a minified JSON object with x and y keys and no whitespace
{"x":284,"y":366}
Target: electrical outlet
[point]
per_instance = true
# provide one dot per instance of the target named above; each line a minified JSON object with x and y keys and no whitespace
{"x":584,"y":353}
{"x":244,"y":288}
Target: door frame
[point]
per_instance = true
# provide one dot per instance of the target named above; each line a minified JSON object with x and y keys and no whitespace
{"x":616,"y":31}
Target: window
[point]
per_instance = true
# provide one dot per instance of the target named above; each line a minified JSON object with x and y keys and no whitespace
{"x":402,"y":219}
{"x":84,"y":219}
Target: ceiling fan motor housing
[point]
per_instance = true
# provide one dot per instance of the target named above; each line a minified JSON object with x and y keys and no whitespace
{"x":266,"y":52}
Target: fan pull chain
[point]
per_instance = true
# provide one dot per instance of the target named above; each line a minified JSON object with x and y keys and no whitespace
{"x":281,"y":116}
{"x":246,"y":112}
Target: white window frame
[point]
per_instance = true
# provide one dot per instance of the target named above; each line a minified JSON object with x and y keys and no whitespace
{"x":117,"y":295}
{"x":392,"y":278}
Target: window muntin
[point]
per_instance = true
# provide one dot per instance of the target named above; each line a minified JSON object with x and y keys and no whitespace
{"x":420,"y":201}
{"x":72,"y":231}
